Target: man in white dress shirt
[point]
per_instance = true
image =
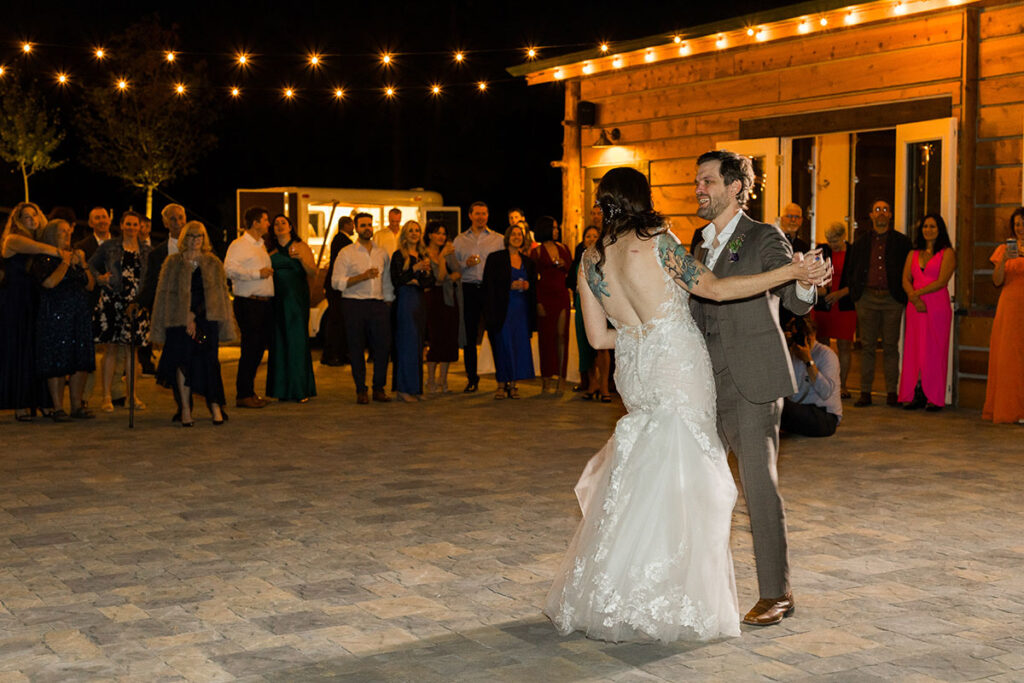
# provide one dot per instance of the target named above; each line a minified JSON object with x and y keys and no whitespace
{"x":248,"y":266}
{"x":472,"y":247}
{"x":387,"y":237}
{"x":362,"y":273}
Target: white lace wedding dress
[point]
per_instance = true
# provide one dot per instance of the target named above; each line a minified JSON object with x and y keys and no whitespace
{"x":650,"y":560}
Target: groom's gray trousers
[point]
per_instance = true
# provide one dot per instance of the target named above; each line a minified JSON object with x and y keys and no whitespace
{"x":751,"y":432}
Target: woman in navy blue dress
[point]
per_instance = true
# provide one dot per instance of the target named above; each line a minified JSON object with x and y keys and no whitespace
{"x":510,"y":310}
{"x":410,"y":275}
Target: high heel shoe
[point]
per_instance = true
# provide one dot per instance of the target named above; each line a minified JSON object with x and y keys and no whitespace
{"x":190,"y":423}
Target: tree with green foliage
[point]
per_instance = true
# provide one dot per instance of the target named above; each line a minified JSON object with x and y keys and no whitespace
{"x":148,"y":133}
{"x":29,"y":129}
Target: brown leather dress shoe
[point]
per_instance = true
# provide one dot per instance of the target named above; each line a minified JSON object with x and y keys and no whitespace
{"x":250,"y":402}
{"x":379,"y":395}
{"x":864,"y":400}
{"x":770,"y":611}
{"x":362,"y":398}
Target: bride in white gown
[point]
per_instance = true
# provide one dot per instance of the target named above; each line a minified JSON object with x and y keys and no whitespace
{"x":650,"y":560}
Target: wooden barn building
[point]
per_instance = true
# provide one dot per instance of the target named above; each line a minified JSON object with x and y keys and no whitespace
{"x":920,"y":102}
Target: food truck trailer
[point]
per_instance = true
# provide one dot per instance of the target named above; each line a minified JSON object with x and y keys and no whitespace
{"x":316,"y":211}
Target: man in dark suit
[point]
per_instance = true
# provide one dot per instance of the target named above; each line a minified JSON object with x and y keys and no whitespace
{"x":874,"y":274}
{"x":335,"y":351}
{"x":750,"y":386}
{"x":99,"y":222}
{"x":791,"y":220}
{"x":173,"y":217}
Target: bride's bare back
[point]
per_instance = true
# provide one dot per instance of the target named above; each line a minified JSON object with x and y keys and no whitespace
{"x":633,"y":280}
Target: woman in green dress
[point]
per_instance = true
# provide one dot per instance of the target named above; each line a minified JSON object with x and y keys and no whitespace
{"x":289,"y":365}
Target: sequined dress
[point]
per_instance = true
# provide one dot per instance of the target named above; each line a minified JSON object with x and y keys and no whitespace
{"x":651,"y":560}
{"x":64,"y":343}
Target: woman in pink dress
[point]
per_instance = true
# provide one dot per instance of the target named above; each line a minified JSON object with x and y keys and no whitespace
{"x":929,"y":316}
{"x":1004,"y":395}
{"x":834,"y":313}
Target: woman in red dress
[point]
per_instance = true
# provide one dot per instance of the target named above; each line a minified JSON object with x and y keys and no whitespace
{"x":835,"y":314}
{"x":553,"y":262}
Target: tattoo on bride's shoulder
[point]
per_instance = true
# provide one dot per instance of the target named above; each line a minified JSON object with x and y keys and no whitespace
{"x":598,"y":285}
{"x":681,"y":266}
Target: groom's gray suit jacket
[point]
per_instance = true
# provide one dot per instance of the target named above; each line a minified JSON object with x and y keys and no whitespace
{"x":748,"y":329}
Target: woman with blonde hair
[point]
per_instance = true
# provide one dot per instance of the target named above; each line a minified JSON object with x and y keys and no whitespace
{"x":410,"y":274}
{"x":64,"y":346}
{"x":191,"y":315}
{"x":20,"y":387}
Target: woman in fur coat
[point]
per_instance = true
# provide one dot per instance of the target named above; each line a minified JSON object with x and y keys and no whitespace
{"x":191,"y":315}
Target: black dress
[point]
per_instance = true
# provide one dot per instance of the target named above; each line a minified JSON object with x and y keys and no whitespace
{"x":20,"y":386}
{"x":64,"y":343}
{"x":197,"y":358}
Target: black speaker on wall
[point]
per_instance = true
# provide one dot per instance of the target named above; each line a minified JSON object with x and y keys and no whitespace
{"x":586,"y":113}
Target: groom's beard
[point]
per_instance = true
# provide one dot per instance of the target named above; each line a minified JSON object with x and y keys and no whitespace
{"x":713,"y":208}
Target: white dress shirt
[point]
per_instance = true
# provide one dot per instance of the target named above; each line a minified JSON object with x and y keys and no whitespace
{"x":172,"y":246}
{"x":245,"y":258}
{"x":469,"y":243}
{"x":355,"y":259}
{"x":805,"y":294}
{"x":386,"y":240}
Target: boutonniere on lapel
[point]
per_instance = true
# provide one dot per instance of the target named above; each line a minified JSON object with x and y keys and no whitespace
{"x":734,"y":248}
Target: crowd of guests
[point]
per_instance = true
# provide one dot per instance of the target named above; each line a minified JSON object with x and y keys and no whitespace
{"x":413,"y":296}
{"x":406,"y":292}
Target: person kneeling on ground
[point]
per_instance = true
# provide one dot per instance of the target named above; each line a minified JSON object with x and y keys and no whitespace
{"x":816,"y":408}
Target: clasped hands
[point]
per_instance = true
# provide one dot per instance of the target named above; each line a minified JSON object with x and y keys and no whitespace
{"x":814,"y":271}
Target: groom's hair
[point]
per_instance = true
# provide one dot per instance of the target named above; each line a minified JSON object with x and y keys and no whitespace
{"x":733,"y":167}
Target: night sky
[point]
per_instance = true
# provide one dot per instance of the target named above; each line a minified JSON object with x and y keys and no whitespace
{"x":495,"y":146}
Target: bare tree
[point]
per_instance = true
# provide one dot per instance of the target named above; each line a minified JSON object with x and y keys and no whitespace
{"x":151,"y":123}
{"x":29,"y":130}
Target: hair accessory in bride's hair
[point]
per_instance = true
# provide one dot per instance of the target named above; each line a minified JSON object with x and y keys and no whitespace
{"x":610,"y":211}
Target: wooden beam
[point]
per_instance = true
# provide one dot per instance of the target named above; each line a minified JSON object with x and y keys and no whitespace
{"x":572,"y":168}
{"x":853,"y":118}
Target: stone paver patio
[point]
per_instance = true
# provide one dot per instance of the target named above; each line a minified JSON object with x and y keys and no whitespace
{"x":330,"y":541}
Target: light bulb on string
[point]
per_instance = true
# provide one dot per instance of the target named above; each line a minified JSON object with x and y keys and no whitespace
{"x":62,"y":78}
{"x":170,"y":56}
{"x":288,"y":92}
{"x":386,"y":59}
{"x":823,"y":21}
{"x":390,"y":92}
{"x":180,"y":89}
{"x":314,"y":60}
{"x":242,"y":59}
{"x":236,"y":91}
{"x":26,"y":47}
{"x":460,"y":57}
{"x":435,"y":89}
{"x":677,"y":39}
{"x":122,"y":84}
{"x":339,"y":93}
{"x":603,"y":47}
{"x":531,"y":53}
{"x":482,"y":86}
{"x":3,"y":70}
{"x":99,"y":53}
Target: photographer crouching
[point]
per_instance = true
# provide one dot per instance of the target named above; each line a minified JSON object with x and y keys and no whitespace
{"x":816,"y":408}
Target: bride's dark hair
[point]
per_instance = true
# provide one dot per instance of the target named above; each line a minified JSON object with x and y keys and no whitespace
{"x":624,"y":197}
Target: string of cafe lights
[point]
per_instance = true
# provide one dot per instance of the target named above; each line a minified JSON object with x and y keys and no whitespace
{"x":316,"y":62}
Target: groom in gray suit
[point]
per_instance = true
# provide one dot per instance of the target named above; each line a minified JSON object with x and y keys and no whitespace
{"x":751,"y":362}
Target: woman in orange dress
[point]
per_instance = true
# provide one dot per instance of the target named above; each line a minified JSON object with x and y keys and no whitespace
{"x":1004,"y":395}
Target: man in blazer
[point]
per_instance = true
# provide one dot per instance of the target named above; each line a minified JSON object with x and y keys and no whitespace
{"x":874,"y":274}
{"x":751,"y":361}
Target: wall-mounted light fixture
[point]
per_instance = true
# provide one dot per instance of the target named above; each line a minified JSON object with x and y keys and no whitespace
{"x":608,"y":138}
